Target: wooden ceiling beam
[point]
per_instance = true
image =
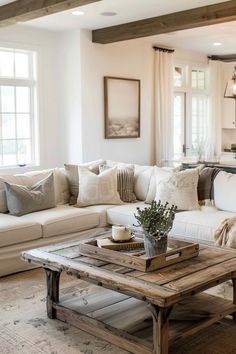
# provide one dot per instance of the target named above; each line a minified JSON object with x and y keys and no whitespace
{"x":198,"y":17}
{"x":25,"y":10}
{"x":227,"y":58}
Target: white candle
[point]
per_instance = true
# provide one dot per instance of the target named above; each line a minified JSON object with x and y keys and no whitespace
{"x":121,"y":233}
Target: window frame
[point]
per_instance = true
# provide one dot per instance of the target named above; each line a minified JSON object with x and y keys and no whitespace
{"x":33,"y":84}
{"x":189,"y":92}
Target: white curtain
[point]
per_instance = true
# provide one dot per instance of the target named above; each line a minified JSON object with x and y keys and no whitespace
{"x":215,"y":106}
{"x":163,"y":108}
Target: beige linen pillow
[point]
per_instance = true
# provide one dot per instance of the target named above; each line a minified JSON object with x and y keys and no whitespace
{"x":22,"y":200}
{"x":98,"y":189}
{"x":125,"y":182}
{"x":178,"y":188}
{"x":73,"y":176}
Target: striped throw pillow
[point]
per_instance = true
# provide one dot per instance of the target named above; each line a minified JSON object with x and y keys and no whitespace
{"x":125,"y":182}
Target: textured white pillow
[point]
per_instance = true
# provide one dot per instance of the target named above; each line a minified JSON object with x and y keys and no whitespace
{"x":152,"y":185}
{"x":178,"y":188}
{"x":98,"y":189}
{"x":225,"y":191}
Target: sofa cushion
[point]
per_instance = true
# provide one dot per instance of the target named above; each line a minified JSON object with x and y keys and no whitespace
{"x":102,"y":211}
{"x":199,"y":225}
{"x":225,"y":191}
{"x":124,"y":214}
{"x":14,"y":230}
{"x":63,"y":219}
{"x":142,"y":177}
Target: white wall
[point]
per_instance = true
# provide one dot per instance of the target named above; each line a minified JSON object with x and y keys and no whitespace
{"x":51,"y":153}
{"x":130,"y":59}
{"x":189,"y":56}
{"x":69,"y":86}
{"x":71,"y":71}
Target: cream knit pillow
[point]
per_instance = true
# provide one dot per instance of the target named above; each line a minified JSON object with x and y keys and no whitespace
{"x":97,"y":189}
{"x":178,"y":188}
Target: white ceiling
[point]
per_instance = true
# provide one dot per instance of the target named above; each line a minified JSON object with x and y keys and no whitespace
{"x":4,"y":2}
{"x":127,"y":11}
{"x":198,"y":39}
{"x":201,"y":39}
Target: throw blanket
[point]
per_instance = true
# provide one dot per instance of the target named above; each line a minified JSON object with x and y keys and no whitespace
{"x":206,"y":185}
{"x":225,"y":235}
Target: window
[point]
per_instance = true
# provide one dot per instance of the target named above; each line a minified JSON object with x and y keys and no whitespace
{"x":191,"y":111}
{"x":17,"y":107}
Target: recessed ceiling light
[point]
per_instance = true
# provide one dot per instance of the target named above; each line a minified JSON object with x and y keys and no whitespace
{"x":78,"y":13}
{"x":108,"y":13}
{"x":217,"y":44}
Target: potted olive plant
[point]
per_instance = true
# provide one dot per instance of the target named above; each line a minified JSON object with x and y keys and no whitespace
{"x":156,"y":222}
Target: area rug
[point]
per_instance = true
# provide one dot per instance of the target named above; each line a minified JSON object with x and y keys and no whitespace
{"x":25,"y":328}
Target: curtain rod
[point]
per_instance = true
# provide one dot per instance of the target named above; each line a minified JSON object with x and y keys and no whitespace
{"x":227,"y":58}
{"x":163,"y":49}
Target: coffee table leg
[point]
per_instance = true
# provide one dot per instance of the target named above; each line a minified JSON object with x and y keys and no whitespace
{"x":160,"y":329}
{"x":52,"y":278}
{"x":234,"y":297}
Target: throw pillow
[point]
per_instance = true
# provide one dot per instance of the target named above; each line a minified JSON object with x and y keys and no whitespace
{"x":125,"y":182}
{"x":73,"y":176}
{"x":225,"y":191}
{"x":178,"y":188}
{"x":206,"y":185}
{"x":98,"y":189}
{"x":23,"y":200}
{"x":61,"y":184}
{"x":27,"y":179}
{"x":152,"y":185}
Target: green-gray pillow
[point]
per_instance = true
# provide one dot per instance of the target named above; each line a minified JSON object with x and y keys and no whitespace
{"x":22,"y":200}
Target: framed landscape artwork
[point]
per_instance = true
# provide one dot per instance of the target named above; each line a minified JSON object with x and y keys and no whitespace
{"x":122,"y":107}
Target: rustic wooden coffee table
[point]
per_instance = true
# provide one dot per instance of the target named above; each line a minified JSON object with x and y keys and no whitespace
{"x":140,"y":312}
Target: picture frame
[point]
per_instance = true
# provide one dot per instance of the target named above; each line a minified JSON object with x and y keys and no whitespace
{"x":121,"y":107}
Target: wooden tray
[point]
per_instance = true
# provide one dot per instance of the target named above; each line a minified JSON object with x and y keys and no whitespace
{"x":178,"y":251}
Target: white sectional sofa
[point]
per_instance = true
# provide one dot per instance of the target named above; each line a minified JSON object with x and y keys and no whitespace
{"x":65,"y":222}
{"x":198,"y":225}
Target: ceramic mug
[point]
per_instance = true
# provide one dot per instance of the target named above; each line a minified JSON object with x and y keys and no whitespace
{"x":121,"y":233}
